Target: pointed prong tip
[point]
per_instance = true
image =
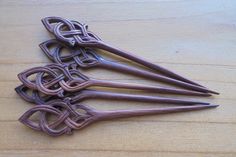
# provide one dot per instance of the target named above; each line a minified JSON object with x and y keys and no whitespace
{"x":214,"y":92}
{"x":213,"y":105}
{"x":206,"y":105}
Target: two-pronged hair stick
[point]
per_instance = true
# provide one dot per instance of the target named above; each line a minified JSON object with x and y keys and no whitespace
{"x":86,"y":58}
{"x":65,"y":80}
{"x":34,"y":96}
{"x":77,"y":116}
{"x":74,"y":33}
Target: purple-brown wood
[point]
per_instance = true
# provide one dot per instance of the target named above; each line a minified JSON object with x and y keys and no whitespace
{"x":85,"y":58}
{"x":75,"y":117}
{"x":58,"y":89}
{"x":63,"y":79}
{"x":75,"y":33}
{"x":76,"y":97}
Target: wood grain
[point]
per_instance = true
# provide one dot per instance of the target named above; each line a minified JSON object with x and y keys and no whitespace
{"x":193,"y":38}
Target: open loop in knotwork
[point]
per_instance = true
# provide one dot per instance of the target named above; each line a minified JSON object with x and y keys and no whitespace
{"x":23,"y":76}
{"x":22,"y":91}
{"x":50,"y":22}
{"x":51,"y":86}
{"x":49,"y":47}
{"x":54,"y":49}
{"x":62,"y":119}
{"x":54,"y":79}
{"x":32,"y":96}
{"x":25,"y":118}
{"x":84,"y":57}
{"x":68,"y":116}
{"x":52,"y":89}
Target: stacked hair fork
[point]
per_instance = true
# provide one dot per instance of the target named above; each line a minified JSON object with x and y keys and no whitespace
{"x":59,"y":88}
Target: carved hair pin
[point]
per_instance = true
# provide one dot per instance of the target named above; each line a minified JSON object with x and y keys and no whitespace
{"x":75,"y":117}
{"x":36,"y":97}
{"x":75,"y":33}
{"x":87,"y":58}
{"x":69,"y":80}
{"x":58,"y":89}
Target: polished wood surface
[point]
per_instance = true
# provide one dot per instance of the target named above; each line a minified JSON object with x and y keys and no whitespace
{"x":195,"y":38}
